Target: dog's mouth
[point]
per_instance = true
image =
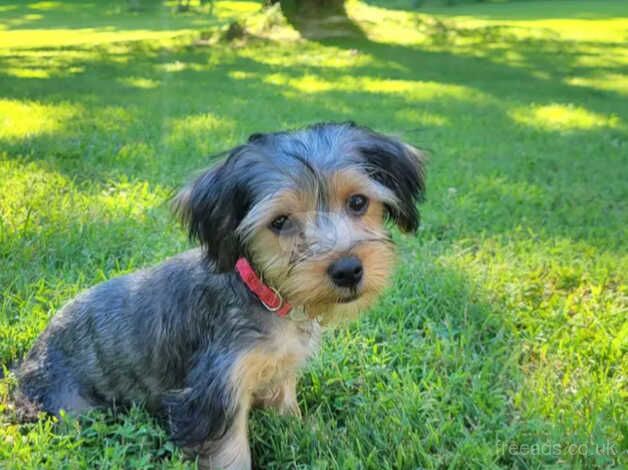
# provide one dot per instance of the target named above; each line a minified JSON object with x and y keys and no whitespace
{"x":350,"y":297}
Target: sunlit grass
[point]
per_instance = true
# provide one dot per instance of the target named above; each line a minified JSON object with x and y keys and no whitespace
{"x":36,"y":230}
{"x":29,"y":119}
{"x":505,"y":323}
{"x":139,"y":82}
{"x":606,"y":30}
{"x":410,"y":89}
{"x":532,"y":22}
{"x":557,"y":116}
{"x":69,"y":37}
{"x":612,"y":82}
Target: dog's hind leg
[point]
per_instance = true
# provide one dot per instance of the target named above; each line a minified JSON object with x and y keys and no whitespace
{"x":69,"y":399}
{"x":46,"y":379}
{"x":56,"y":395}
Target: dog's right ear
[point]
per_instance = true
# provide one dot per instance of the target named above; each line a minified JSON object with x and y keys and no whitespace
{"x":212,"y":207}
{"x":399,"y":167}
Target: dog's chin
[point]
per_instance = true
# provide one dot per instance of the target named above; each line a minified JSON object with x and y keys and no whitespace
{"x":353,"y":297}
{"x":349,"y":307}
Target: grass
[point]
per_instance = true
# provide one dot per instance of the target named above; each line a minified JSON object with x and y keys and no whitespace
{"x":501,"y":344}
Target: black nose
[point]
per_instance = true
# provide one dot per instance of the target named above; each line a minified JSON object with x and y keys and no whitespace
{"x":346,"y":271}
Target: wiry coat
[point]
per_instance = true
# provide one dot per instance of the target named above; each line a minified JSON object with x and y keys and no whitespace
{"x":166,"y":337}
{"x":187,"y":338}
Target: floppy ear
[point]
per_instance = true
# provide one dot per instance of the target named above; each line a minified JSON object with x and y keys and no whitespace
{"x":399,"y":167}
{"x":212,"y":207}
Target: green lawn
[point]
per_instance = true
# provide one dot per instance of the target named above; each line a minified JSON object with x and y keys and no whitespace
{"x":502,"y":342}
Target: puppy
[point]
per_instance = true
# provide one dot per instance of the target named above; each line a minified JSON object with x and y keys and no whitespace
{"x":292,"y":233}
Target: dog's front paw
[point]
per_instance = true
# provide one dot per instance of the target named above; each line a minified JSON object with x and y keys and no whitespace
{"x":290,"y":408}
{"x":282,"y":398}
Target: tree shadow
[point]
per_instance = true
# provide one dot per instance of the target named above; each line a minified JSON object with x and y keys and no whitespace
{"x":209,"y":98}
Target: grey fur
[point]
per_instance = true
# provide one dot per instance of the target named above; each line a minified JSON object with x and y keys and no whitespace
{"x":164,"y":336}
{"x":168,"y":336}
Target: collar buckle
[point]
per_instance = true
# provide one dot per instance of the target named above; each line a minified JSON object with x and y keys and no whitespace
{"x":279,"y":298}
{"x":268,"y":296}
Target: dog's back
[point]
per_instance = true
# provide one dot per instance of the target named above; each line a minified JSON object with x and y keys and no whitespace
{"x":120,"y":341}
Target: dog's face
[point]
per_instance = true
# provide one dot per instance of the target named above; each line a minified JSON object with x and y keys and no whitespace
{"x":323,"y":244}
{"x":308,"y":209}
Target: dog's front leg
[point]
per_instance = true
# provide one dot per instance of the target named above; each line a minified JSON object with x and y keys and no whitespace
{"x":231,"y":452}
{"x":209,"y":416}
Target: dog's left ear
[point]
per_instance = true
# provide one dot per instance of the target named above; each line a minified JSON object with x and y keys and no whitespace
{"x":401,"y":168}
{"x":212,"y":207}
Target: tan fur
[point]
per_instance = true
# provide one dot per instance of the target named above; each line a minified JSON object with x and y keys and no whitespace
{"x":263,"y":371}
{"x":348,"y":182}
{"x":264,"y":376}
{"x":282,"y":397}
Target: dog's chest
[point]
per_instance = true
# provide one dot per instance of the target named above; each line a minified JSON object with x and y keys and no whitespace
{"x":280,"y":355}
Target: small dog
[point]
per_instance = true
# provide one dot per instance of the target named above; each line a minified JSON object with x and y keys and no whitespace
{"x":293,"y":235}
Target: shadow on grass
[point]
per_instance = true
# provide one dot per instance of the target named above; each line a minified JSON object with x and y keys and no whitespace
{"x":407,"y":372}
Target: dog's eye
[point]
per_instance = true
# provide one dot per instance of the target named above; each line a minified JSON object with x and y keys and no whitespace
{"x":357,"y":204}
{"x":282,"y":224}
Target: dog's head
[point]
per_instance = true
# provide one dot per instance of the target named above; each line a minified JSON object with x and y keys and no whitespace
{"x":308,"y":209}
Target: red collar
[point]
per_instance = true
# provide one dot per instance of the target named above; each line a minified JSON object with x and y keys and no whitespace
{"x":268,"y":296}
